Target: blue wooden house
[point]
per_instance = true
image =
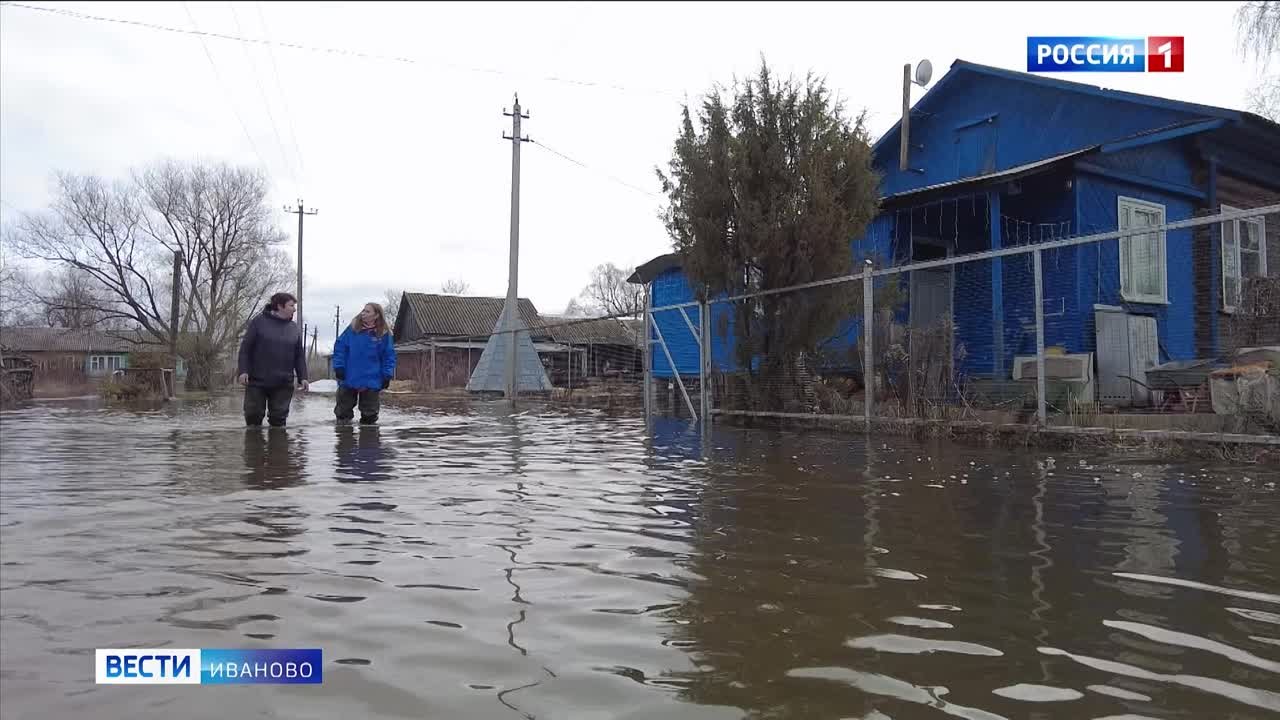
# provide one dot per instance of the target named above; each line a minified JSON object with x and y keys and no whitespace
{"x":998,"y":158}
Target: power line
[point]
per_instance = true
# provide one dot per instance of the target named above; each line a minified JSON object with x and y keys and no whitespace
{"x":263,"y":92}
{"x":678,"y":97}
{"x":226,"y":92}
{"x":581,"y":164}
{"x":284,"y":98}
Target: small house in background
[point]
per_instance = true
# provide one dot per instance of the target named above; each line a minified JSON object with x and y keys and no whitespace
{"x":998,"y":159}
{"x":75,"y":356}
{"x":455,"y":330}
{"x":65,"y":353}
{"x":439,"y":338}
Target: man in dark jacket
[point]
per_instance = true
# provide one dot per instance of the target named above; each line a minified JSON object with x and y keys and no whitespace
{"x":271,"y":355}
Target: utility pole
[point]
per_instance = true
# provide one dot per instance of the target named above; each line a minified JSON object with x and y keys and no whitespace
{"x":512,"y":311}
{"x":337,"y":315}
{"x":300,"y":213}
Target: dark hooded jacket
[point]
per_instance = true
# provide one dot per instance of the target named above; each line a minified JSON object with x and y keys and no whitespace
{"x":272,"y":351}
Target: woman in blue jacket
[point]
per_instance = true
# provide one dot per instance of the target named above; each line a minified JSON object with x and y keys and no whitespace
{"x":364,"y":361}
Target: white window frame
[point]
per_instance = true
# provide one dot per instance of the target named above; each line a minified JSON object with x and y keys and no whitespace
{"x":1261,"y":222}
{"x":104,"y":363}
{"x":1135,"y":204}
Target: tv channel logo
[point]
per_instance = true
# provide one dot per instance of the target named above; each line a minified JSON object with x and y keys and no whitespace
{"x":1156,"y":53}
{"x":208,"y":666}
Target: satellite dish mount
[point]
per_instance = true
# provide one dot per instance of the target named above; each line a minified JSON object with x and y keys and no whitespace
{"x":924,"y":73}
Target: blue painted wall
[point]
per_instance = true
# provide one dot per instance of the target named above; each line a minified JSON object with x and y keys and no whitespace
{"x":1028,"y":122}
{"x":1039,"y":214}
{"x":1099,"y":267}
{"x":1166,"y":162}
{"x":672,"y":288}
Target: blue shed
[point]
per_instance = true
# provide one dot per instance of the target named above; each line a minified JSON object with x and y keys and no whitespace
{"x":999,"y":158}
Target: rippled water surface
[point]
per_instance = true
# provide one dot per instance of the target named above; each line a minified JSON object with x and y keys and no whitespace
{"x":464,"y":563}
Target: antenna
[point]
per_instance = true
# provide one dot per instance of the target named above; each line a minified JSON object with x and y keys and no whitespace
{"x":924,"y":73}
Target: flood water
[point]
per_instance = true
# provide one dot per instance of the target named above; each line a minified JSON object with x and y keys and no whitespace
{"x":463,"y":563}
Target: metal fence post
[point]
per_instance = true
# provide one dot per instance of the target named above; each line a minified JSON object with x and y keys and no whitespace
{"x":704,"y":361}
{"x":868,"y":362}
{"x":1040,"y":383}
{"x":647,"y":349}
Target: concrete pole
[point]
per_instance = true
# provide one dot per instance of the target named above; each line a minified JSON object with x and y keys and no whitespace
{"x":513,"y":270}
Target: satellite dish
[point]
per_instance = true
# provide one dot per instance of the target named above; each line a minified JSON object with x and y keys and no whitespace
{"x":924,"y":72}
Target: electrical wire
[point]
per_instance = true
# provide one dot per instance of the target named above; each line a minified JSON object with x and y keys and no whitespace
{"x":253,"y":68}
{"x":581,"y":164}
{"x":677,"y":97}
{"x":218,"y":75}
{"x":284,"y":98}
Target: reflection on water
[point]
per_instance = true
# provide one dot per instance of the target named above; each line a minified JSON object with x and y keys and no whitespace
{"x":273,"y":458}
{"x":466,"y":563}
{"x":361,"y":456}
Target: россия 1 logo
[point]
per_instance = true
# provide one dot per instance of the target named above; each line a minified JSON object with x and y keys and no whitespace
{"x":1157,"y":53}
{"x":208,"y":666}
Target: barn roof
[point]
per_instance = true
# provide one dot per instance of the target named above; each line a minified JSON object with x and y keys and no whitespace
{"x":458,"y":315}
{"x":600,"y":331}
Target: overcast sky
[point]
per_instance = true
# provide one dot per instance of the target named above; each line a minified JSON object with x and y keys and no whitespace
{"x":405,"y":160}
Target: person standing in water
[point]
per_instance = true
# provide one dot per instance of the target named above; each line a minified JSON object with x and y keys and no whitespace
{"x":272,"y":358}
{"x":364,"y":361}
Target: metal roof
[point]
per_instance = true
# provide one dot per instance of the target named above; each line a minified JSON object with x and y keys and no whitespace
{"x":600,"y":331}
{"x":462,"y":316}
{"x":644,"y":274}
{"x":963,"y":66}
{"x":55,"y":339}
{"x":1011,"y":174}
{"x":424,"y":346}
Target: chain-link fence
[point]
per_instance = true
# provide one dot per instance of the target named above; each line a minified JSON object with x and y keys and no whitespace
{"x":1108,"y":326}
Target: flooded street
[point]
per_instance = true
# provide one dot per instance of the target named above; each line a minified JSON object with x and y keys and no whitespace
{"x":467,"y":564}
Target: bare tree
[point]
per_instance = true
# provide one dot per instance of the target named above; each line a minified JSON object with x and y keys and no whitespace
{"x":579,"y":309}
{"x":391,"y":305}
{"x":67,"y":297}
{"x":1258,"y":34}
{"x":16,"y":305}
{"x":611,"y":294}
{"x":123,"y":237}
{"x":455,"y":287}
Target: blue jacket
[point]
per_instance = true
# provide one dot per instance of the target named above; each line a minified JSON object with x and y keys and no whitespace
{"x":365,"y":358}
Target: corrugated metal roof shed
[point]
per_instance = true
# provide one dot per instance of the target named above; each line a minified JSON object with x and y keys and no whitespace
{"x":461,"y":316}
{"x":601,"y":331}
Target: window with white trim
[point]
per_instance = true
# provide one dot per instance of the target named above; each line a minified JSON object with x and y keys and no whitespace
{"x":100,"y":363}
{"x":1143,"y":276}
{"x":1244,"y":255}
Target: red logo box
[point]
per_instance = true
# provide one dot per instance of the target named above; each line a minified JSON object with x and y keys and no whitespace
{"x":1164,"y":53}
